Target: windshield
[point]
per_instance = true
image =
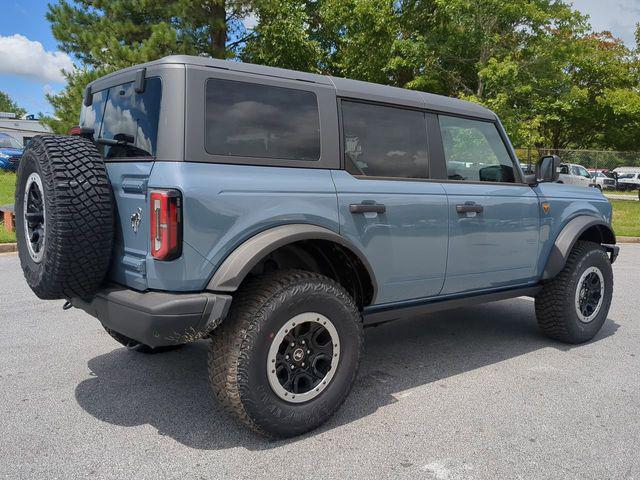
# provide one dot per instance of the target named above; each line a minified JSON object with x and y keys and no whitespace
{"x":7,"y":141}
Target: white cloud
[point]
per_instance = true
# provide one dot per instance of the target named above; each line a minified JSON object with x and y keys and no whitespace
{"x":250,"y":21}
{"x":21,"y":56}
{"x":617,"y":16}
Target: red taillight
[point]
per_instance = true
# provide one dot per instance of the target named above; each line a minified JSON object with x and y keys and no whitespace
{"x":75,"y":130}
{"x":166,"y":224}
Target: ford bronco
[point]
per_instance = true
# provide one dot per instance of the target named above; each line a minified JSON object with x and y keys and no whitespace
{"x":277,"y":213}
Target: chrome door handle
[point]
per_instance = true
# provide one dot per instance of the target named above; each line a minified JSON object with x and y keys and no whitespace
{"x":469,"y":207}
{"x":367,"y":207}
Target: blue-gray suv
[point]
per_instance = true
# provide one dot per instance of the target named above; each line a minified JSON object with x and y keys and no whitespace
{"x":277,"y":213}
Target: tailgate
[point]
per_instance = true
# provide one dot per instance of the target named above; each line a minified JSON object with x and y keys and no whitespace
{"x":129,"y":181}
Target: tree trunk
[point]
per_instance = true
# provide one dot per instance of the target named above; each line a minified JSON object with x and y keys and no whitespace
{"x":218,"y":29}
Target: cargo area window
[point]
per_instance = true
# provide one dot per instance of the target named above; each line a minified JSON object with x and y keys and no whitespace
{"x":125,"y":122}
{"x":252,"y":120}
{"x":474,"y":151}
{"x":381,"y":141}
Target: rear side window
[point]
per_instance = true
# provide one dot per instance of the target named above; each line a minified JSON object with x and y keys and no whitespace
{"x":384,"y":141}
{"x":474,"y":151}
{"x":251,"y":120}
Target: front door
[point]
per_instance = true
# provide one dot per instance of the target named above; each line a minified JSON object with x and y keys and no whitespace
{"x":386,"y":206}
{"x":493,"y":217}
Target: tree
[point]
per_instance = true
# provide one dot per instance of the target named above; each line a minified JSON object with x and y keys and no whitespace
{"x":10,"y":106}
{"x":537,"y":63}
{"x":106,"y":35}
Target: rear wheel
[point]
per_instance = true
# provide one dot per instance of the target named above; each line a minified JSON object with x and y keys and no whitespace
{"x":285,"y":359}
{"x":574,"y":305}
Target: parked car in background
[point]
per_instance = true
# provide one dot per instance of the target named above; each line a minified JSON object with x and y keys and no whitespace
{"x":528,"y":168}
{"x":628,"y":181}
{"x":602,"y":181}
{"x":10,"y":152}
{"x":573,"y":174}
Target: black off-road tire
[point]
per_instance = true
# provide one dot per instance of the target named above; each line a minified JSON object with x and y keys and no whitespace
{"x":556,"y":311}
{"x":239,"y":350}
{"x":78,"y":221}
{"x":136,"y":346}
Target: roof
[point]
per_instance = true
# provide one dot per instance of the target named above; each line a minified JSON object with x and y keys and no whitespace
{"x":344,"y":87}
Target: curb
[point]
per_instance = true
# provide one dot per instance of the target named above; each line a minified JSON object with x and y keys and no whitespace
{"x":628,"y":239}
{"x":8,"y":247}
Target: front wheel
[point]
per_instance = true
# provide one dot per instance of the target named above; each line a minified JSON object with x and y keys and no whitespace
{"x":287,"y":356}
{"x":574,"y":305}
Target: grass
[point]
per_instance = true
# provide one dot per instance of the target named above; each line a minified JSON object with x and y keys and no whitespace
{"x":626,"y":217}
{"x":626,"y":213}
{"x":619,"y":192}
{"x":7,"y":188}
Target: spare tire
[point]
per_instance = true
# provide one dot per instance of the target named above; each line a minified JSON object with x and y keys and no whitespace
{"x":64,"y":217}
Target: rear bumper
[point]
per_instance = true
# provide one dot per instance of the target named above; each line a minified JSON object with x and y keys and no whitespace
{"x":157,"y":318}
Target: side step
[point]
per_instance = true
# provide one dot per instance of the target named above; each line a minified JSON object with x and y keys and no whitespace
{"x":385,"y":313}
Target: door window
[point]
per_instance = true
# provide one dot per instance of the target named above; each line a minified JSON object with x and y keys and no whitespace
{"x":474,"y":151}
{"x":383,"y":141}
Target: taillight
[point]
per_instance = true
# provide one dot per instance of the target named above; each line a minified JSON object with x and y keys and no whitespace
{"x":166,"y":224}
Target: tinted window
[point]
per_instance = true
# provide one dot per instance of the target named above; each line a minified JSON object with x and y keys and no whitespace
{"x":474,"y":151}
{"x":91,"y":116}
{"x":251,"y":120}
{"x":384,"y":141}
{"x":132,"y":118}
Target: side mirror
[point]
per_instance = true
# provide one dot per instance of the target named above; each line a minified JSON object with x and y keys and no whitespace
{"x":548,"y":167}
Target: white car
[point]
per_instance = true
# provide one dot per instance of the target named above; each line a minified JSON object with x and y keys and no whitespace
{"x":601,"y":181}
{"x":573,"y":174}
{"x":629,"y":181}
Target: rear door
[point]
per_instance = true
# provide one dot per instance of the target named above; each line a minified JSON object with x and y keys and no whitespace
{"x":125,"y":124}
{"x":387,"y":207}
{"x":493,"y":217}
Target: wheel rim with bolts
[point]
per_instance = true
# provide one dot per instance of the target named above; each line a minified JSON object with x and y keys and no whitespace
{"x":589,"y":294}
{"x":34,"y":217}
{"x":303,"y":357}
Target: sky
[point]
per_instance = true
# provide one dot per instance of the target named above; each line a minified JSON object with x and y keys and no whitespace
{"x":30,"y":61}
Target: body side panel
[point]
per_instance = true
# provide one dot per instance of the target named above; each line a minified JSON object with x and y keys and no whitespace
{"x":566,"y":202}
{"x":224,"y":205}
{"x":497,"y":247}
{"x":407,"y":244}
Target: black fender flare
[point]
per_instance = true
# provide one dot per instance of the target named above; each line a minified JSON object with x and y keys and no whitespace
{"x":570,"y":234}
{"x":233,"y":270}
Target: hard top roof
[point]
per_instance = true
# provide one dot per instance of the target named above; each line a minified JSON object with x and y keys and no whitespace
{"x":344,"y":87}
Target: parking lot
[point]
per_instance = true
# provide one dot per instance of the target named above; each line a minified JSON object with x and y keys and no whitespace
{"x":473,"y":393}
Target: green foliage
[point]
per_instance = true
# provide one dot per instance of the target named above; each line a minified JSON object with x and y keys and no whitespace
{"x":9,"y":106}
{"x":537,"y":63}
{"x":68,"y":102}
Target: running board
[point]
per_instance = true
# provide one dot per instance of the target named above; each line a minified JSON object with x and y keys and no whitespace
{"x":380,"y":314}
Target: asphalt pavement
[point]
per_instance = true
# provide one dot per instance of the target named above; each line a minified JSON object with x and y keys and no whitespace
{"x":474,"y":393}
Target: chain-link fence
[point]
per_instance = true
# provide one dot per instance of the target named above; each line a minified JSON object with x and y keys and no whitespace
{"x":602,"y":160}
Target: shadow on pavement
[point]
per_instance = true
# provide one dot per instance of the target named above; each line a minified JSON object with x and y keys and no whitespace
{"x":170,"y":391}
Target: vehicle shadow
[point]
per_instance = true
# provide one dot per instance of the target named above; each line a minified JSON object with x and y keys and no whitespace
{"x":170,"y":391}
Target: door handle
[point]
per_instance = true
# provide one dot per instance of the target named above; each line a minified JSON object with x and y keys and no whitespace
{"x":469,"y":207}
{"x":367,"y":207}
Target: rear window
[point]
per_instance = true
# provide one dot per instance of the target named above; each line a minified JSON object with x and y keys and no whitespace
{"x":251,"y":120}
{"x":119,"y":113}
